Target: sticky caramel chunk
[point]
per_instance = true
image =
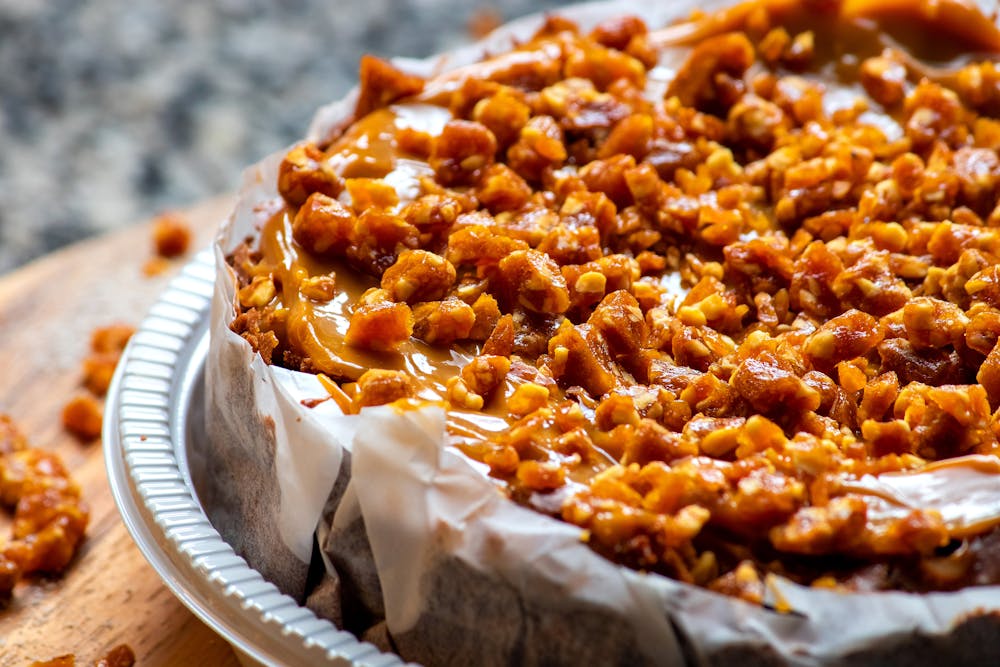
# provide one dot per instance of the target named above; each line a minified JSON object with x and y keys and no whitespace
{"x":443,"y":322}
{"x":539,"y":147}
{"x":884,"y":79}
{"x":378,"y":387}
{"x":501,"y":189}
{"x":531,"y":280}
{"x":323,"y":226}
{"x":504,"y":115}
{"x":619,"y":319}
{"x":769,"y":383}
{"x":418,"y":276}
{"x":380,"y":326}
{"x":697,"y":83}
{"x":852,"y":334}
{"x":462,"y":151}
{"x":171,"y":235}
{"x":120,"y":656}
{"x":487,"y":313}
{"x":49,"y":516}
{"x":82,"y":416}
{"x":303,"y":172}
{"x":382,"y":84}
{"x":617,"y":32}
{"x":484,"y":374}
{"x":574,"y":361}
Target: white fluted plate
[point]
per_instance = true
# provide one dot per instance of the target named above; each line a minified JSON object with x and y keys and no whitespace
{"x":152,"y":427}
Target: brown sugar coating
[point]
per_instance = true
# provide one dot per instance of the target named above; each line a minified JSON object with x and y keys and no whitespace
{"x":728,"y":307}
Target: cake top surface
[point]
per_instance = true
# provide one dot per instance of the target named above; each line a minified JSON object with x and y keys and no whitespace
{"x":723,"y":293}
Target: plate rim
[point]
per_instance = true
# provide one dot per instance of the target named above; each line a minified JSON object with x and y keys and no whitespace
{"x":144,"y":436}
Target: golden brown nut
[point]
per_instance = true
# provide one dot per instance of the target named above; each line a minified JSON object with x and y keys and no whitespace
{"x":381,"y":84}
{"x":380,"y":326}
{"x":539,"y":147}
{"x":531,"y":280}
{"x":171,"y":235}
{"x":378,"y":387}
{"x":305,"y":171}
{"x":418,"y":276}
{"x":82,"y":416}
{"x":323,"y":226}
{"x":443,"y":322}
{"x":462,"y":151}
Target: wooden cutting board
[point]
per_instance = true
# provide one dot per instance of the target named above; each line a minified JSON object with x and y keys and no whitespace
{"x":109,"y":595}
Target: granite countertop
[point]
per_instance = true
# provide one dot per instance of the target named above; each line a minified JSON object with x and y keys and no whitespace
{"x":112,"y":111}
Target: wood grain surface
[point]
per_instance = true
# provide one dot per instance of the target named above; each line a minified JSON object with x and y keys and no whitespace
{"x":109,"y":595}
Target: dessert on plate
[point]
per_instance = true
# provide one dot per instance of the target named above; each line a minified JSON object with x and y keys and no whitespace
{"x":559,"y":342}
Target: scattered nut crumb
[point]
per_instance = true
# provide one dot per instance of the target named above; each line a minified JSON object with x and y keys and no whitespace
{"x":171,"y":235}
{"x":112,"y":338}
{"x":50,"y":517}
{"x":155,"y":266}
{"x":120,"y":656}
{"x":68,"y":660}
{"x":82,"y":417}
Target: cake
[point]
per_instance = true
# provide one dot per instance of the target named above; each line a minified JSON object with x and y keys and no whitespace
{"x":557,"y":346}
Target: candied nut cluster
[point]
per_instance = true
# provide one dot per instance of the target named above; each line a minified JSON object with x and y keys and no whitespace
{"x":49,"y":515}
{"x":83,"y":415}
{"x":171,"y":235}
{"x":707,"y":299}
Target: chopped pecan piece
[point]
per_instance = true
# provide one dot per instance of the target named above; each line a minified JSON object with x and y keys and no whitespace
{"x":462,"y":151}
{"x":83,"y":417}
{"x":769,"y":384}
{"x":531,"y":280}
{"x":323,"y":226}
{"x":378,"y":387}
{"x":383,"y":84}
{"x":171,"y":235}
{"x":380,"y":326}
{"x":443,"y":322}
{"x":305,"y":171}
{"x":418,"y":276}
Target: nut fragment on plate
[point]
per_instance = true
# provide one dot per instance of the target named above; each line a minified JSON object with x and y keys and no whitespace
{"x":712,"y":301}
{"x":49,"y":515}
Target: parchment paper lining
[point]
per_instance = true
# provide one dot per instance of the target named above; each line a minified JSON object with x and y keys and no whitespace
{"x":437,"y":529}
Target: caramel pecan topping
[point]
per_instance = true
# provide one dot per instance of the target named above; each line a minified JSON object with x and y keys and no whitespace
{"x":706,"y":307}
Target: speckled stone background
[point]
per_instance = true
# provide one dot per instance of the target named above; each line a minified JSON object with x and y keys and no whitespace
{"x":115,"y":110}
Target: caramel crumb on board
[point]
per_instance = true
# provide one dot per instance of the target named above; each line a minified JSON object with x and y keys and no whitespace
{"x":49,"y":516}
{"x":171,"y":235}
{"x":120,"y":656}
{"x":82,"y":415}
{"x":106,"y":347}
{"x":155,"y":266}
